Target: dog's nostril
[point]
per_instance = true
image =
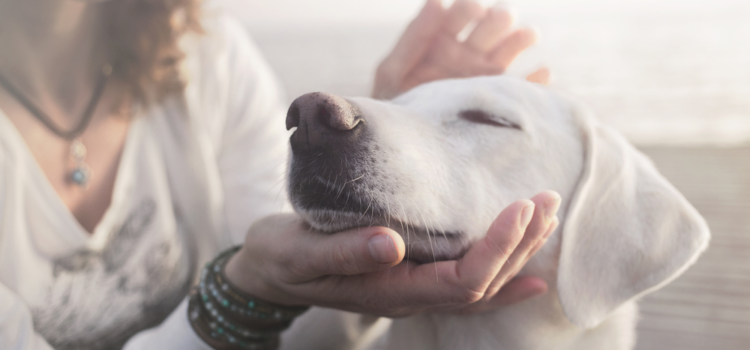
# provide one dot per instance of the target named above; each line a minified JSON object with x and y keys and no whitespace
{"x":337,"y":117}
{"x":292,"y":117}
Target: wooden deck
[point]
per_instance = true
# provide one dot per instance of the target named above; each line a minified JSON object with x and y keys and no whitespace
{"x":709,"y":306}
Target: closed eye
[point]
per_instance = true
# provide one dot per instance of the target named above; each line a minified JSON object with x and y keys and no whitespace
{"x":481,"y":117}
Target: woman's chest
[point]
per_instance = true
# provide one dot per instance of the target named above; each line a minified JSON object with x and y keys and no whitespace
{"x":95,"y":290}
{"x":81,"y":170}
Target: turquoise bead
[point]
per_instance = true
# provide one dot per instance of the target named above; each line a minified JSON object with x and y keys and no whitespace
{"x":79,"y":176}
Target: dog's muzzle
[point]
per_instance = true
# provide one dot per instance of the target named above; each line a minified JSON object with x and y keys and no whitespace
{"x":335,"y":177}
{"x":330,"y":149}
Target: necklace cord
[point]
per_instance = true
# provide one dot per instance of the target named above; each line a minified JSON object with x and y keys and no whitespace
{"x":45,"y":119}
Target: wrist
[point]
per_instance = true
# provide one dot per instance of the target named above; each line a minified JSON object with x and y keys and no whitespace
{"x":236,"y":272}
{"x":247,"y":275}
{"x":216,"y":335}
{"x":228,"y":318}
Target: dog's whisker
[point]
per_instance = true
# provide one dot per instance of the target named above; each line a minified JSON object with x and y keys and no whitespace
{"x":403,"y":222}
{"x":388,"y":212}
{"x":429,"y":238}
{"x":365,"y":212}
{"x":341,"y":189}
{"x":358,"y":178}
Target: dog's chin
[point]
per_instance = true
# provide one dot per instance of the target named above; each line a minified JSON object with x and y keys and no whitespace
{"x":423,"y":245}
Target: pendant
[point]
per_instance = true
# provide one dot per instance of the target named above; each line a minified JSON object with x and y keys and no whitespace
{"x":80,"y":176}
{"x":81,"y":173}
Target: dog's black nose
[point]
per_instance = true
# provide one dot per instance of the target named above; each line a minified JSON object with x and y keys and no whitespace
{"x":322,"y":119}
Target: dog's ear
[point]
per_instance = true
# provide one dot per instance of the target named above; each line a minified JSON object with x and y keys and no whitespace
{"x":627,"y":231}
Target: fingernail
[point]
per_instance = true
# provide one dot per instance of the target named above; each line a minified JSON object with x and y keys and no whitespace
{"x":550,"y":208}
{"x":382,"y":249}
{"x":526,"y":214}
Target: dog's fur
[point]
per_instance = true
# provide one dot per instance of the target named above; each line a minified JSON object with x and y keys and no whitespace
{"x":440,"y":162}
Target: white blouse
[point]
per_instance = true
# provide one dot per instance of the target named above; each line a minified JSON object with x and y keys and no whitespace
{"x":195,"y":172}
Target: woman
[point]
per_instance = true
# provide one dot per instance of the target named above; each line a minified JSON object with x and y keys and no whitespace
{"x":139,"y":138}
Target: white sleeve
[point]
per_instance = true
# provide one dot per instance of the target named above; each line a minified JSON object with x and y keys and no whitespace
{"x":174,"y":333}
{"x":16,"y":326}
{"x":246,"y":122}
{"x":252,"y":152}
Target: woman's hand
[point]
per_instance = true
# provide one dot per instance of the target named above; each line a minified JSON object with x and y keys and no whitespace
{"x":429,"y":50}
{"x":283,"y":261}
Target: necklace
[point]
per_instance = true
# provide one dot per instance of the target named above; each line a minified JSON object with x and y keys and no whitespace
{"x":81,"y":173}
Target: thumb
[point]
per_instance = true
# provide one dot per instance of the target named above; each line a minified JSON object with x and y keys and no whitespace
{"x":352,"y":252}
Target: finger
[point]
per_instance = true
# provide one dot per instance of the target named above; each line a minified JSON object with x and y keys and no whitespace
{"x":515,"y":291}
{"x":540,"y":243}
{"x":410,"y":48}
{"x":356,"y":251}
{"x":449,"y":59}
{"x":418,"y":35}
{"x":540,"y":76}
{"x":517,"y":41}
{"x":459,"y":15}
{"x":546,"y":205}
{"x":488,"y":255}
{"x":493,"y":27}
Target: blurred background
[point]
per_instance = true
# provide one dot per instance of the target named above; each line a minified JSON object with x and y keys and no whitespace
{"x":672,"y":75}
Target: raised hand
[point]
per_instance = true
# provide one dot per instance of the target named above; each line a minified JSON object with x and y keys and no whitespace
{"x":430,"y":50}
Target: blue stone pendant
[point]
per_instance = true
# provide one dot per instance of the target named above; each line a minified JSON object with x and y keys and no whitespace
{"x":80,"y":176}
{"x":82,"y":173}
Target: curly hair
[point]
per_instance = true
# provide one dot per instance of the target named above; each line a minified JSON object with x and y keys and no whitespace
{"x":143,"y":37}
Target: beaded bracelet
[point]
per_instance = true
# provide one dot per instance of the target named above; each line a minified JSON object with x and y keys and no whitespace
{"x":221,"y":338}
{"x":227,"y":318}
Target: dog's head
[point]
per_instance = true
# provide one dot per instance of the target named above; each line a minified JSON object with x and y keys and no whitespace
{"x":438,"y":163}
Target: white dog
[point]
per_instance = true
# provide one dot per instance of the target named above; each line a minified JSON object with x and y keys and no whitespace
{"x":438,"y":163}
